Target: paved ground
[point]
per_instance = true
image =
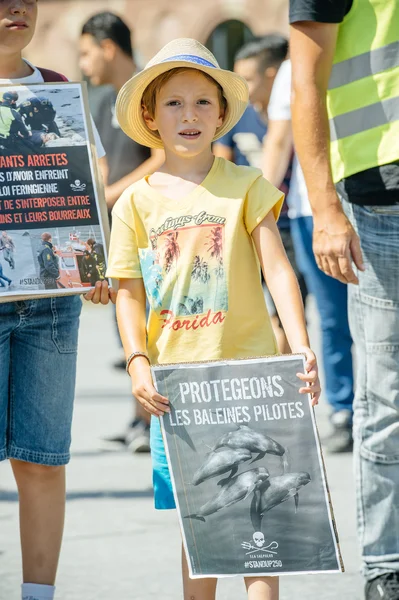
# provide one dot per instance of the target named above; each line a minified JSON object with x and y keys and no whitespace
{"x":116,"y":546}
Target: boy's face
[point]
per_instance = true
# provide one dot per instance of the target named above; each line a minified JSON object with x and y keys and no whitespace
{"x":17,"y":25}
{"x":94,"y":59}
{"x":259,"y":83}
{"x":187,"y":113}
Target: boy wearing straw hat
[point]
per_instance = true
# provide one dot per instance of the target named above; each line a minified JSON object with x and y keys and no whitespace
{"x":191,"y":237}
{"x":38,"y":339}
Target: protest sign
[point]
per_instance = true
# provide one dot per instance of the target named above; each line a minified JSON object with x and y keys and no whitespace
{"x":53,"y":218}
{"x":247,"y":469}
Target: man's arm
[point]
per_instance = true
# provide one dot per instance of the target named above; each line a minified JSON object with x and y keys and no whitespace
{"x":114,"y":191}
{"x":335,"y":243}
{"x":277,"y":151}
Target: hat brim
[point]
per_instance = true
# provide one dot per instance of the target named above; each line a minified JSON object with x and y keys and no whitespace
{"x":129,"y":109}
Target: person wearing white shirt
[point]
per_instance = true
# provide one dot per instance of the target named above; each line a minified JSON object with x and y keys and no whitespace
{"x":329,"y":293}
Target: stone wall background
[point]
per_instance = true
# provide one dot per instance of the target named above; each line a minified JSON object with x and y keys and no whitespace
{"x":153,"y":22}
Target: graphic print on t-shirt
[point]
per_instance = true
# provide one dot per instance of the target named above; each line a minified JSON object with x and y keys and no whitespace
{"x":184,"y":272}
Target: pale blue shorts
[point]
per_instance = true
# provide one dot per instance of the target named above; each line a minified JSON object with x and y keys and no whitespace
{"x":163,"y":490}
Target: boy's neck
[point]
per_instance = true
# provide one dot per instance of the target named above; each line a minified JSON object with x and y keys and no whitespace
{"x":192,"y":169}
{"x":14,"y":67}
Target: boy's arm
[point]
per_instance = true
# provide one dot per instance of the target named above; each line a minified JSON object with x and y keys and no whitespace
{"x":130,"y":312}
{"x":283,"y":286}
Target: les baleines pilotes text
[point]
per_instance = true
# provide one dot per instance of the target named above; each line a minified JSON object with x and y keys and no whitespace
{"x":194,"y":394}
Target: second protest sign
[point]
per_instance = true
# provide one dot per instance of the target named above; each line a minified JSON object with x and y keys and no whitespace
{"x":247,"y":469}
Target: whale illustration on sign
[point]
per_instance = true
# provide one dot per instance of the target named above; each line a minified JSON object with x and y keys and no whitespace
{"x":234,"y":490}
{"x":222,"y":461}
{"x":276,"y":491}
{"x":258,"y":443}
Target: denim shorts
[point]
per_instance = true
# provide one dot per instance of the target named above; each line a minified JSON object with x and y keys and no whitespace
{"x":38,"y":348}
{"x":163,"y":490}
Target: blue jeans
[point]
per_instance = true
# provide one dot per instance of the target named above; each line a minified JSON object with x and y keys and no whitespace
{"x":374,"y":321}
{"x":332,"y":303}
{"x":38,"y":347}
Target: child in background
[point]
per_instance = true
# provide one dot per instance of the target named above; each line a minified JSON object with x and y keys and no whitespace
{"x":38,"y":350}
{"x":191,"y":237}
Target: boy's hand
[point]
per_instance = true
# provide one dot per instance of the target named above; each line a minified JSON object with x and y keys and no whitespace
{"x":311,"y":375}
{"x":143,"y":388}
{"x":101,"y":293}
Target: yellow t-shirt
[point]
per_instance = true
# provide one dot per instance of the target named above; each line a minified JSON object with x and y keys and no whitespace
{"x":199,"y":264}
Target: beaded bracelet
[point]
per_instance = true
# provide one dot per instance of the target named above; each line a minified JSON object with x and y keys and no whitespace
{"x":133,"y":355}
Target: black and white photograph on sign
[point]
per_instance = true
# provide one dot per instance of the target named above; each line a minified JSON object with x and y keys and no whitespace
{"x":53,"y":229}
{"x":37,"y":118}
{"x":247,"y":469}
{"x":52,"y":259}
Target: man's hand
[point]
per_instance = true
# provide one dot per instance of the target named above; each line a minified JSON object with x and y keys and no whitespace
{"x":336,"y":245}
{"x":101,"y":293}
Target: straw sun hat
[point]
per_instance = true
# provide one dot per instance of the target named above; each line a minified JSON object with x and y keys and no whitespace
{"x":183,"y":52}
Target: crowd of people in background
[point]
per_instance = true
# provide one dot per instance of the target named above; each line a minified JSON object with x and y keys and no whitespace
{"x":264,"y":138}
{"x":339,"y":167}
{"x":107,"y":60}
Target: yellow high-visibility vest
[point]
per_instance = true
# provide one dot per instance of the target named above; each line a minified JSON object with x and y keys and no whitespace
{"x":363,"y":94}
{"x":6,"y":120}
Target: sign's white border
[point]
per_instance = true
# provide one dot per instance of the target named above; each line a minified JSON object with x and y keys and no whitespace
{"x":211,"y":364}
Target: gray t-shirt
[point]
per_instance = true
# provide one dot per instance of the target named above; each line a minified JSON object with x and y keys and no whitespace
{"x":123,"y":154}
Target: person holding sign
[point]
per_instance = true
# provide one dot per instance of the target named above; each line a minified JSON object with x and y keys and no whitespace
{"x":191,"y":237}
{"x":37,"y":362}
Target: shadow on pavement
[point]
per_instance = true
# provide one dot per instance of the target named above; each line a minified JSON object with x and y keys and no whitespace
{"x":6,"y":496}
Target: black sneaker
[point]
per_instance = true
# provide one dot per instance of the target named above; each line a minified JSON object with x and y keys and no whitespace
{"x":138,"y":437}
{"x":120,"y":364}
{"x":340,"y":440}
{"x":385,"y":587}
